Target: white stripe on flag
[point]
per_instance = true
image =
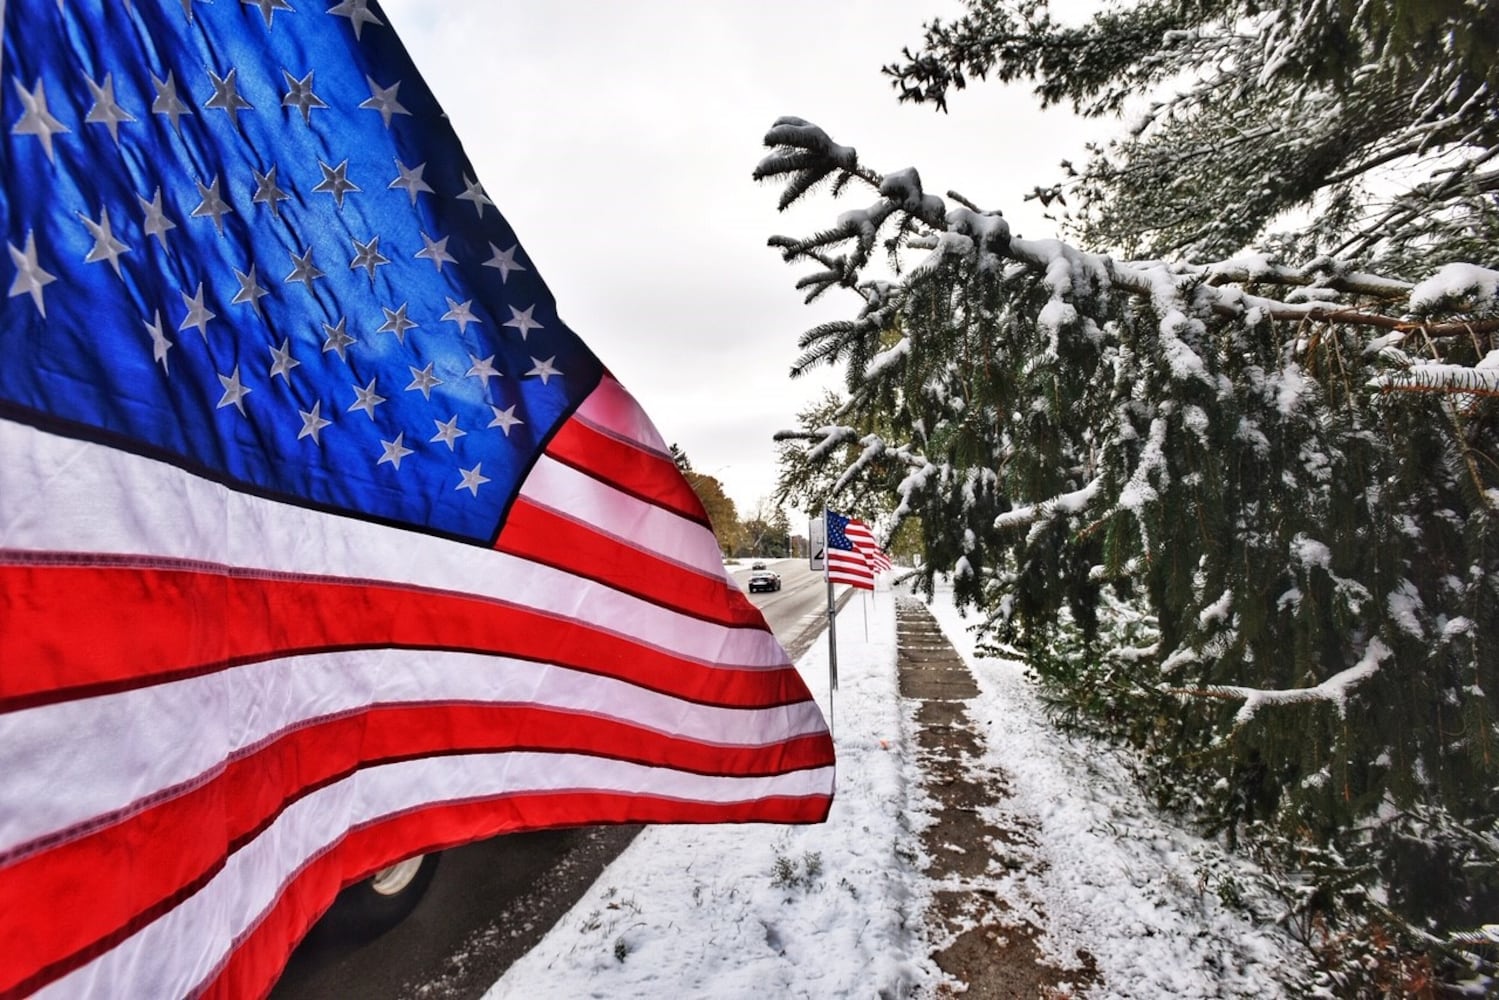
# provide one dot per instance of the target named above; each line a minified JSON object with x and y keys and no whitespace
{"x":125,"y":748}
{"x":849,"y":567}
{"x":50,"y":482}
{"x":863,"y":542}
{"x":579,"y":497}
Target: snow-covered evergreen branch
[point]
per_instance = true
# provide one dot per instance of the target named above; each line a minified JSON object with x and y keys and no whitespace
{"x":1335,"y":690}
{"x":1074,"y":502}
{"x":984,"y":239}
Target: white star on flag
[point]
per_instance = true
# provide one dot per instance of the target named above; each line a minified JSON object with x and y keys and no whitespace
{"x":366,"y":399}
{"x":522,"y":321}
{"x":313,"y":422}
{"x":30,"y":277}
{"x":235,"y":391}
{"x":503,"y":261}
{"x":448,"y":432}
{"x":394,"y":451}
{"x":505,"y":419}
{"x":482,"y":368}
{"x":544,"y":369}
{"x":472,"y":480}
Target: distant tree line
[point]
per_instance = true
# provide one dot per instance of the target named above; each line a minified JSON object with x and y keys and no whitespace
{"x":766,"y":531}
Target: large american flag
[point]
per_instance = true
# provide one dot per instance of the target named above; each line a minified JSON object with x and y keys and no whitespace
{"x":854,"y":557}
{"x":323,"y":540}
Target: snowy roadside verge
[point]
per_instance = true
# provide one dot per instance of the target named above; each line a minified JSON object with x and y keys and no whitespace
{"x":759,"y":910}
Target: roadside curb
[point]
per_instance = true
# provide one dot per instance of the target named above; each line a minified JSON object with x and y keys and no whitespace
{"x":976,"y":840}
{"x":796,"y":647}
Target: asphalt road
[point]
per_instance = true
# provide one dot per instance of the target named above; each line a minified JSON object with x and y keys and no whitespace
{"x":798,"y":612}
{"x":493,"y":900}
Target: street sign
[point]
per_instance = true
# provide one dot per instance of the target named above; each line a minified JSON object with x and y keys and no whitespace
{"x":817,"y":542}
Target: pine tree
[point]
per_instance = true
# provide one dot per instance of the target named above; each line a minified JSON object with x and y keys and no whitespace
{"x":1382,"y":119}
{"x":844,"y":471}
{"x":814,"y":471}
{"x":1240,"y":509}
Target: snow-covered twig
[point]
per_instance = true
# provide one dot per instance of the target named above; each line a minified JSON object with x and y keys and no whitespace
{"x":1487,"y":935}
{"x":1066,"y":503}
{"x":1480,"y":380}
{"x":1335,"y":689}
{"x":874,"y":448}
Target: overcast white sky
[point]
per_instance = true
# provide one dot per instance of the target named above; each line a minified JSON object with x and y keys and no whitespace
{"x":619,"y":137}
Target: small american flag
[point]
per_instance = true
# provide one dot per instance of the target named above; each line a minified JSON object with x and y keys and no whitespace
{"x":853,"y":555}
{"x":323,"y":540}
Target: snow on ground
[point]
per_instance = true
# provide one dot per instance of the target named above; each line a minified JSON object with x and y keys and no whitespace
{"x":1134,"y":890}
{"x":835,"y":910}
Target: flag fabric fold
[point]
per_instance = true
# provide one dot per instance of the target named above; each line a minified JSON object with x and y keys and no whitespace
{"x":862,"y":538}
{"x":323,"y":540}
{"x":853,"y":556}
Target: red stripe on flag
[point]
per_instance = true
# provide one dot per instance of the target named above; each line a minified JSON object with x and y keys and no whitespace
{"x":544,"y":536}
{"x":167,"y":623}
{"x":627,"y":467}
{"x":254,"y":966}
{"x":850,"y":568}
{"x":154,"y":866}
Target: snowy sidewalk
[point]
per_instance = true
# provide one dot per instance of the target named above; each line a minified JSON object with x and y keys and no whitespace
{"x":974,"y":840}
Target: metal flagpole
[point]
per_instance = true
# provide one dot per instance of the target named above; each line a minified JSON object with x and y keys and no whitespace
{"x":817,"y":540}
{"x":832,"y":653}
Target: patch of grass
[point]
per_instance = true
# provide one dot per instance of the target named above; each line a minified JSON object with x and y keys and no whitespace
{"x":786,"y":873}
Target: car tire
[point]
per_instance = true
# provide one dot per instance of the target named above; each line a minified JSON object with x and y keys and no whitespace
{"x":369,"y":908}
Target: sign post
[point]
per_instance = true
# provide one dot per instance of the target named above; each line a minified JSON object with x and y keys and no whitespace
{"x":817,"y":544}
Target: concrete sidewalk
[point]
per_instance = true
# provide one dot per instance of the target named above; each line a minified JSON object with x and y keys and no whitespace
{"x":977,"y":840}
